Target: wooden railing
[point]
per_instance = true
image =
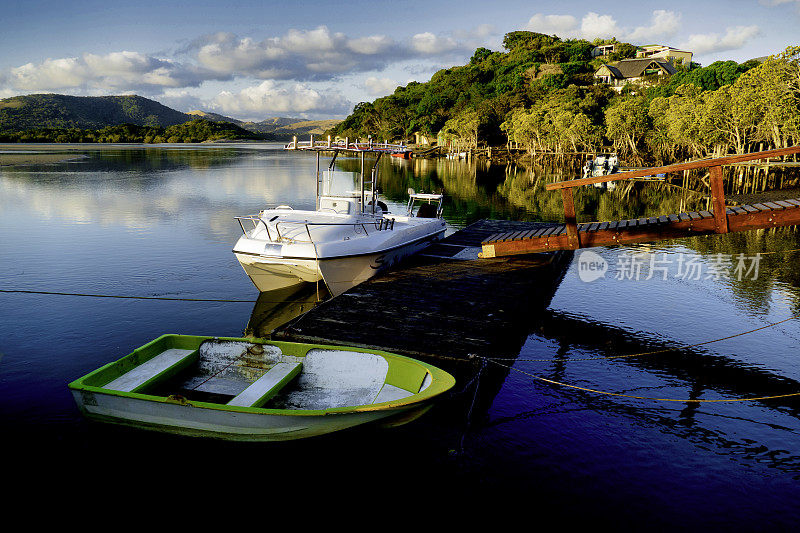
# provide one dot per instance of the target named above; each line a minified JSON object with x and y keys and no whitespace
{"x":346,"y":145}
{"x":714,"y":165}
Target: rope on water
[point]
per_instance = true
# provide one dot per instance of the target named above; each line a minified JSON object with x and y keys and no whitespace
{"x":168,"y":298}
{"x":477,"y":381}
{"x":639,"y":354}
{"x":607,"y":393}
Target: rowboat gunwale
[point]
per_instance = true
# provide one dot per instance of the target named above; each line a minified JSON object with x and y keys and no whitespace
{"x":441,"y":380}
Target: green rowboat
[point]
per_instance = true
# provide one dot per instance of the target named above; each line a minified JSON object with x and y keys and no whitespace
{"x":256,"y":390}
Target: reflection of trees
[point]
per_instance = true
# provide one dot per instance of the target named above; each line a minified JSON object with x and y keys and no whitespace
{"x":776,"y":267}
{"x":629,"y":200}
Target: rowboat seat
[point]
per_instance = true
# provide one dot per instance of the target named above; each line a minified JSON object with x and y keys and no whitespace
{"x":161,"y":366}
{"x":267,"y":386}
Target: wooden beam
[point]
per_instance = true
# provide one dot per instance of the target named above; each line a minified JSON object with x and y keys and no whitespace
{"x":648,"y":233}
{"x":573,"y":238}
{"x":718,"y":199}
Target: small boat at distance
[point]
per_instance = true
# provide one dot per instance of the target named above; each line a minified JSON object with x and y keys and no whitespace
{"x":347,"y":239}
{"x":256,"y":390}
{"x":602,"y":165}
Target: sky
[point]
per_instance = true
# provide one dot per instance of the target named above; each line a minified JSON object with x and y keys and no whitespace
{"x":316,"y":59}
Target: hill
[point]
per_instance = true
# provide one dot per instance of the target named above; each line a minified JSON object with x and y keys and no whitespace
{"x":541,"y":94}
{"x":194,"y":131}
{"x":20,"y":113}
{"x":280,"y":128}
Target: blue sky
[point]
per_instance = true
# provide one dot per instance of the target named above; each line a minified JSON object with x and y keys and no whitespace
{"x":316,"y":59}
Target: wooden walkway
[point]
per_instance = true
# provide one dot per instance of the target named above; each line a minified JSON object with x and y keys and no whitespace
{"x":720,"y":219}
{"x":554,"y":236}
{"x":443,"y":304}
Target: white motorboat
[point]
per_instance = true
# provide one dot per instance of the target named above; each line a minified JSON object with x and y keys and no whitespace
{"x":602,"y":165}
{"x":349,"y":238}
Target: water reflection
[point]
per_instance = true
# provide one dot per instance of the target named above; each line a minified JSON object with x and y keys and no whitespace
{"x":275,"y":308}
{"x":159,"y":221}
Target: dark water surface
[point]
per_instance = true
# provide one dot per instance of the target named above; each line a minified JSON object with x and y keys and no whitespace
{"x":158,"y":221}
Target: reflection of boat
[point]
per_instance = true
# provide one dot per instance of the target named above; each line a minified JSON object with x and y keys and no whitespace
{"x":602,"y":166}
{"x":348,"y":239}
{"x":275,"y":308}
{"x":251,"y":389}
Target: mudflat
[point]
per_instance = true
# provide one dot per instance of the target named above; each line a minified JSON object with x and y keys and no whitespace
{"x":12,"y":155}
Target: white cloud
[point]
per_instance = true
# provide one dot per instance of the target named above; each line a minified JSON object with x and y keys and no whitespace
{"x":269,"y":97}
{"x":116,"y":71}
{"x":318,"y":54}
{"x":663,"y":23}
{"x":50,"y":74}
{"x":595,"y":26}
{"x":380,"y":86}
{"x":552,"y":24}
{"x":180,"y":99}
{"x":374,"y":44}
{"x":733,"y":39}
{"x":430,"y":44}
{"x":482,"y":31}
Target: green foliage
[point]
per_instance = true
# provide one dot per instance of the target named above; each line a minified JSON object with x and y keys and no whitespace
{"x":541,"y":93}
{"x":710,"y":78}
{"x":493,"y":84}
{"x":86,"y":112}
{"x":195,"y":131}
{"x":761,"y":106}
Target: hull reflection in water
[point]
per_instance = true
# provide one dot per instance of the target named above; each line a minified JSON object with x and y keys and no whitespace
{"x":275,"y":308}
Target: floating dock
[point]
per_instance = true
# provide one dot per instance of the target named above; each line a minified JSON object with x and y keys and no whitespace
{"x":444,"y":303}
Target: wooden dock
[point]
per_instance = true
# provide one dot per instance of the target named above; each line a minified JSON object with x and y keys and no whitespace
{"x":445,"y":303}
{"x":719,"y":219}
{"x":649,"y":229}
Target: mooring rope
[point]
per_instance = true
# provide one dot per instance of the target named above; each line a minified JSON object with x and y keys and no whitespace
{"x":174,"y":299}
{"x":497,"y":360}
{"x":639,"y":354}
{"x":477,"y":381}
{"x":607,"y":393}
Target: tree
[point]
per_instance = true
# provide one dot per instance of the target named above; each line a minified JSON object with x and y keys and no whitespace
{"x":627,"y":123}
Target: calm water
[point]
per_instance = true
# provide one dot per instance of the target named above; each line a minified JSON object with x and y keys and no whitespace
{"x":159,"y":222}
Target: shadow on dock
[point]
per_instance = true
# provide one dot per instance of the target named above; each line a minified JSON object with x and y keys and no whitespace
{"x":441,"y":307}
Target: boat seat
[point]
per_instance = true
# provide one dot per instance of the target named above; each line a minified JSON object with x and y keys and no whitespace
{"x":265,"y":387}
{"x":337,"y":205}
{"x":161,"y":366}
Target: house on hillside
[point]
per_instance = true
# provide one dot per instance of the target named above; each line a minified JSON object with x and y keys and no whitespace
{"x":660,"y":51}
{"x":604,"y":50}
{"x":641,"y":71}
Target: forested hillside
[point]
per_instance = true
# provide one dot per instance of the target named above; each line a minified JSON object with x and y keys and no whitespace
{"x":195,"y":131}
{"x":62,"y":111}
{"x":541,"y":93}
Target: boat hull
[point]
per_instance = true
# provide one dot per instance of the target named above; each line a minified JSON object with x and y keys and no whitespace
{"x":344,"y":273}
{"x":239,"y":388}
{"x":275,"y":273}
{"x":195,"y":421}
{"x":338,"y":273}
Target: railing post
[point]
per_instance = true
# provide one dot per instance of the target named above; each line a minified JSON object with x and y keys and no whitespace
{"x":573,"y":239}
{"x":718,"y":198}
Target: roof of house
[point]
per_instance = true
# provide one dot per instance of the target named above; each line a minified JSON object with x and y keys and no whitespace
{"x":634,"y":68}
